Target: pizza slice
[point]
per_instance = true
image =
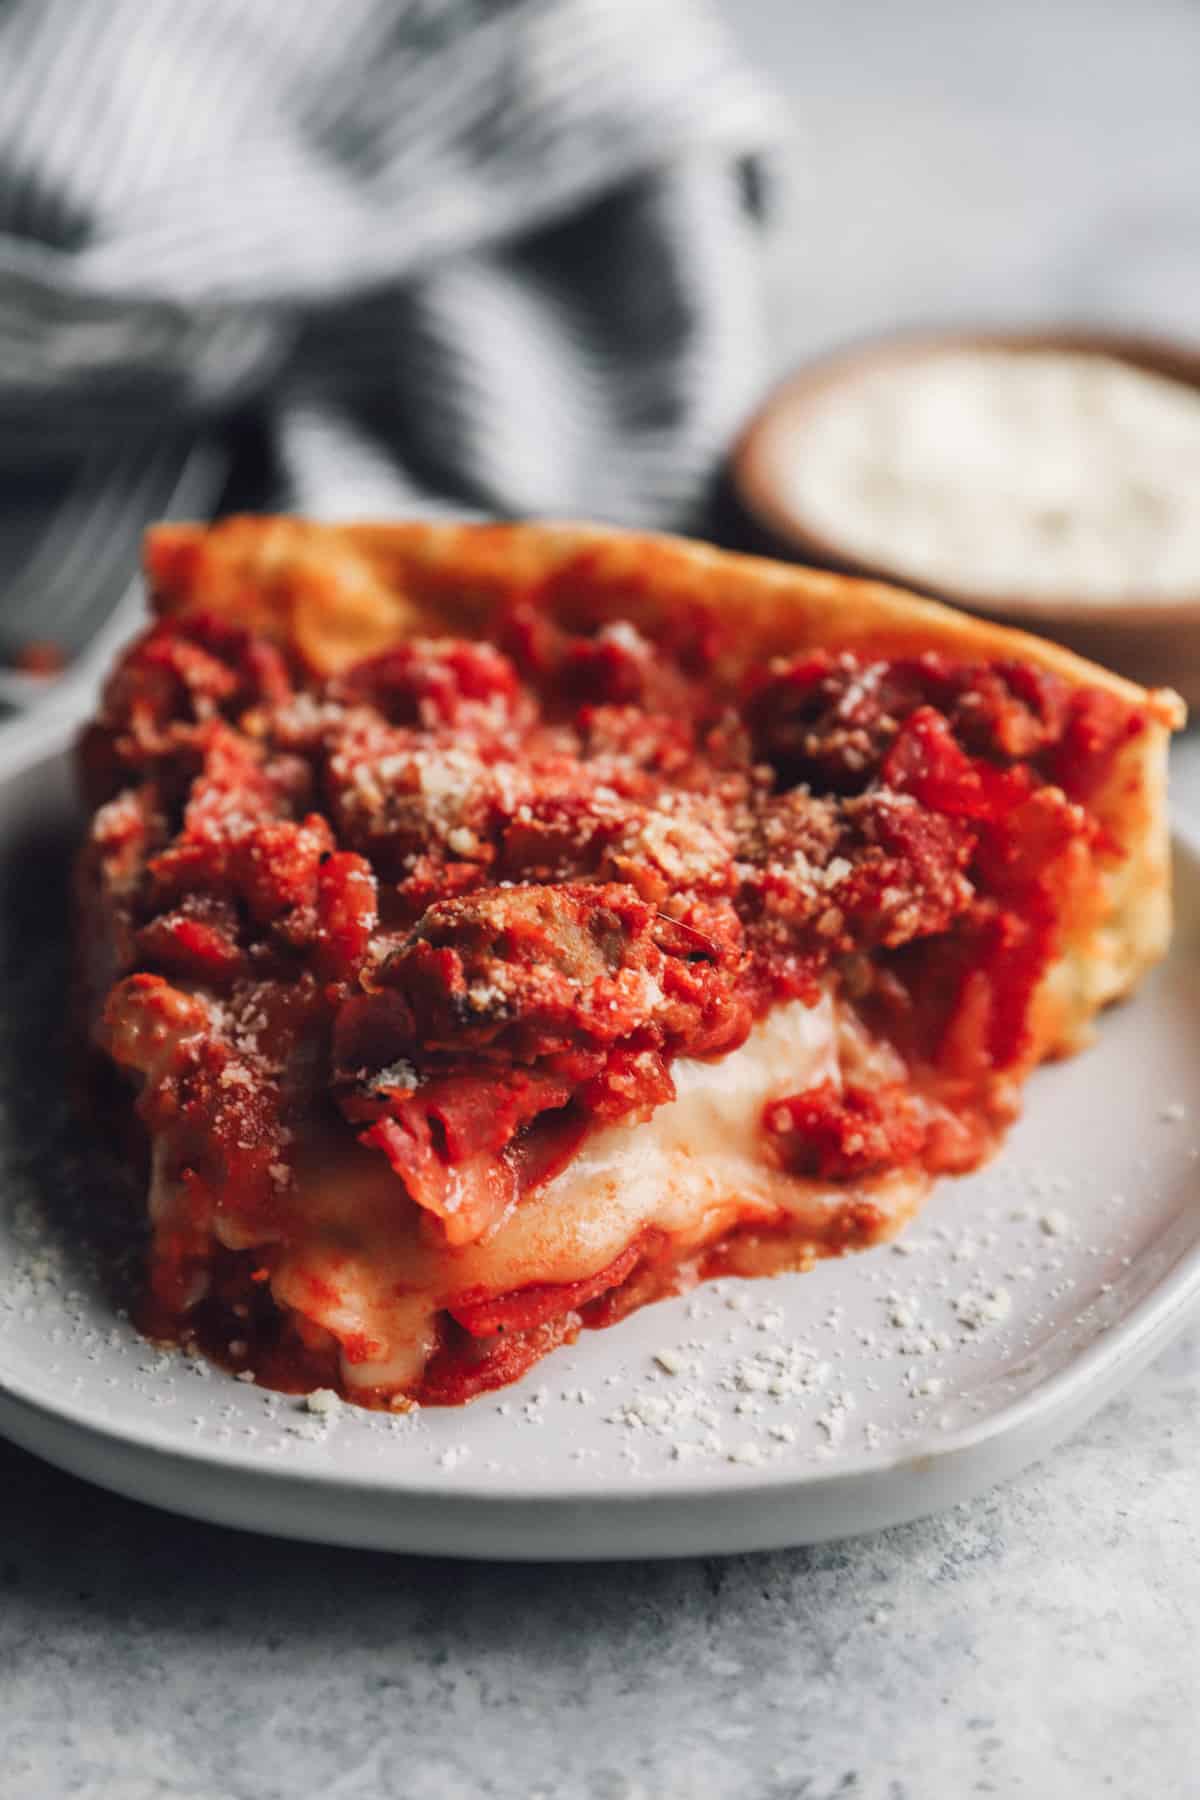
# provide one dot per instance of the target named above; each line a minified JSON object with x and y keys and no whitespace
{"x":504,"y":926}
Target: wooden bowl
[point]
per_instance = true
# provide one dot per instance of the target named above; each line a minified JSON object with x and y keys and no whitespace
{"x":1155,"y":639}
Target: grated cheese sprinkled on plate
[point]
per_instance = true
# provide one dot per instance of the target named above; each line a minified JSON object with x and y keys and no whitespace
{"x":976,"y":1310}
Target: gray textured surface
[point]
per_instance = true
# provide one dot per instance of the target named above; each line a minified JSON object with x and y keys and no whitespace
{"x":1040,"y":1642}
{"x":949,"y":161}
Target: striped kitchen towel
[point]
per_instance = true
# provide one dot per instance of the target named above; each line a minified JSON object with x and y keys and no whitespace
{"x":473,"y":256}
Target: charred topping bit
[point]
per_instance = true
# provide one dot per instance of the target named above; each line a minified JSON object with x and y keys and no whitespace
{"x":479,"y":899}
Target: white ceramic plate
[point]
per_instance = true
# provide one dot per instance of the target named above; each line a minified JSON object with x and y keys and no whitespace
{"x":911,"y":1378}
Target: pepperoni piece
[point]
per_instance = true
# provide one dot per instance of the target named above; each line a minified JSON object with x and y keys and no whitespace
{"x":526,"y":1307}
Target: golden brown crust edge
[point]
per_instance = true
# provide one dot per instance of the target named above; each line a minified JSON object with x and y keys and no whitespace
{"x":340,"y":592}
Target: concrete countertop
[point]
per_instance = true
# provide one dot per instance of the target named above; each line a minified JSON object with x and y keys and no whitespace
{"x":1040,"y":1641}
{"x":949,"y":162}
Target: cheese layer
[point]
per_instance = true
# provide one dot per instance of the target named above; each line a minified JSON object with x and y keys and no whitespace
{"x":358,"y":1263}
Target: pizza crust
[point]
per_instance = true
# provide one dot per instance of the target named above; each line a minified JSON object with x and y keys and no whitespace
{"x":337,"y":593}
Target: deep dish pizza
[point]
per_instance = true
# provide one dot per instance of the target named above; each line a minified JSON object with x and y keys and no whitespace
{"x":503,"y":926}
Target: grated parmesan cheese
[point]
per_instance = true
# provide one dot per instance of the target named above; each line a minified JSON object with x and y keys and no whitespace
{"x":976,"y":1310}
{"x":1001,"y":471}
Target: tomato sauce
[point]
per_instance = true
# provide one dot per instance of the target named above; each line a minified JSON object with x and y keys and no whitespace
{"x":467,"y":902}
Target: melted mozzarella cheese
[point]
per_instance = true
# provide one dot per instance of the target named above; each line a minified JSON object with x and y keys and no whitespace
{"x":363,"y":1267}
{"x":703,"y":1145}
{"x":361,"y":1263}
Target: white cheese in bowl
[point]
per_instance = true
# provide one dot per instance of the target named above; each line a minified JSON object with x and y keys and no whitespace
{"x":1000,"y":472}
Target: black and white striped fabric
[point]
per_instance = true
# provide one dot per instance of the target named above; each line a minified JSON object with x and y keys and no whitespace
{"x":490,"y":256}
